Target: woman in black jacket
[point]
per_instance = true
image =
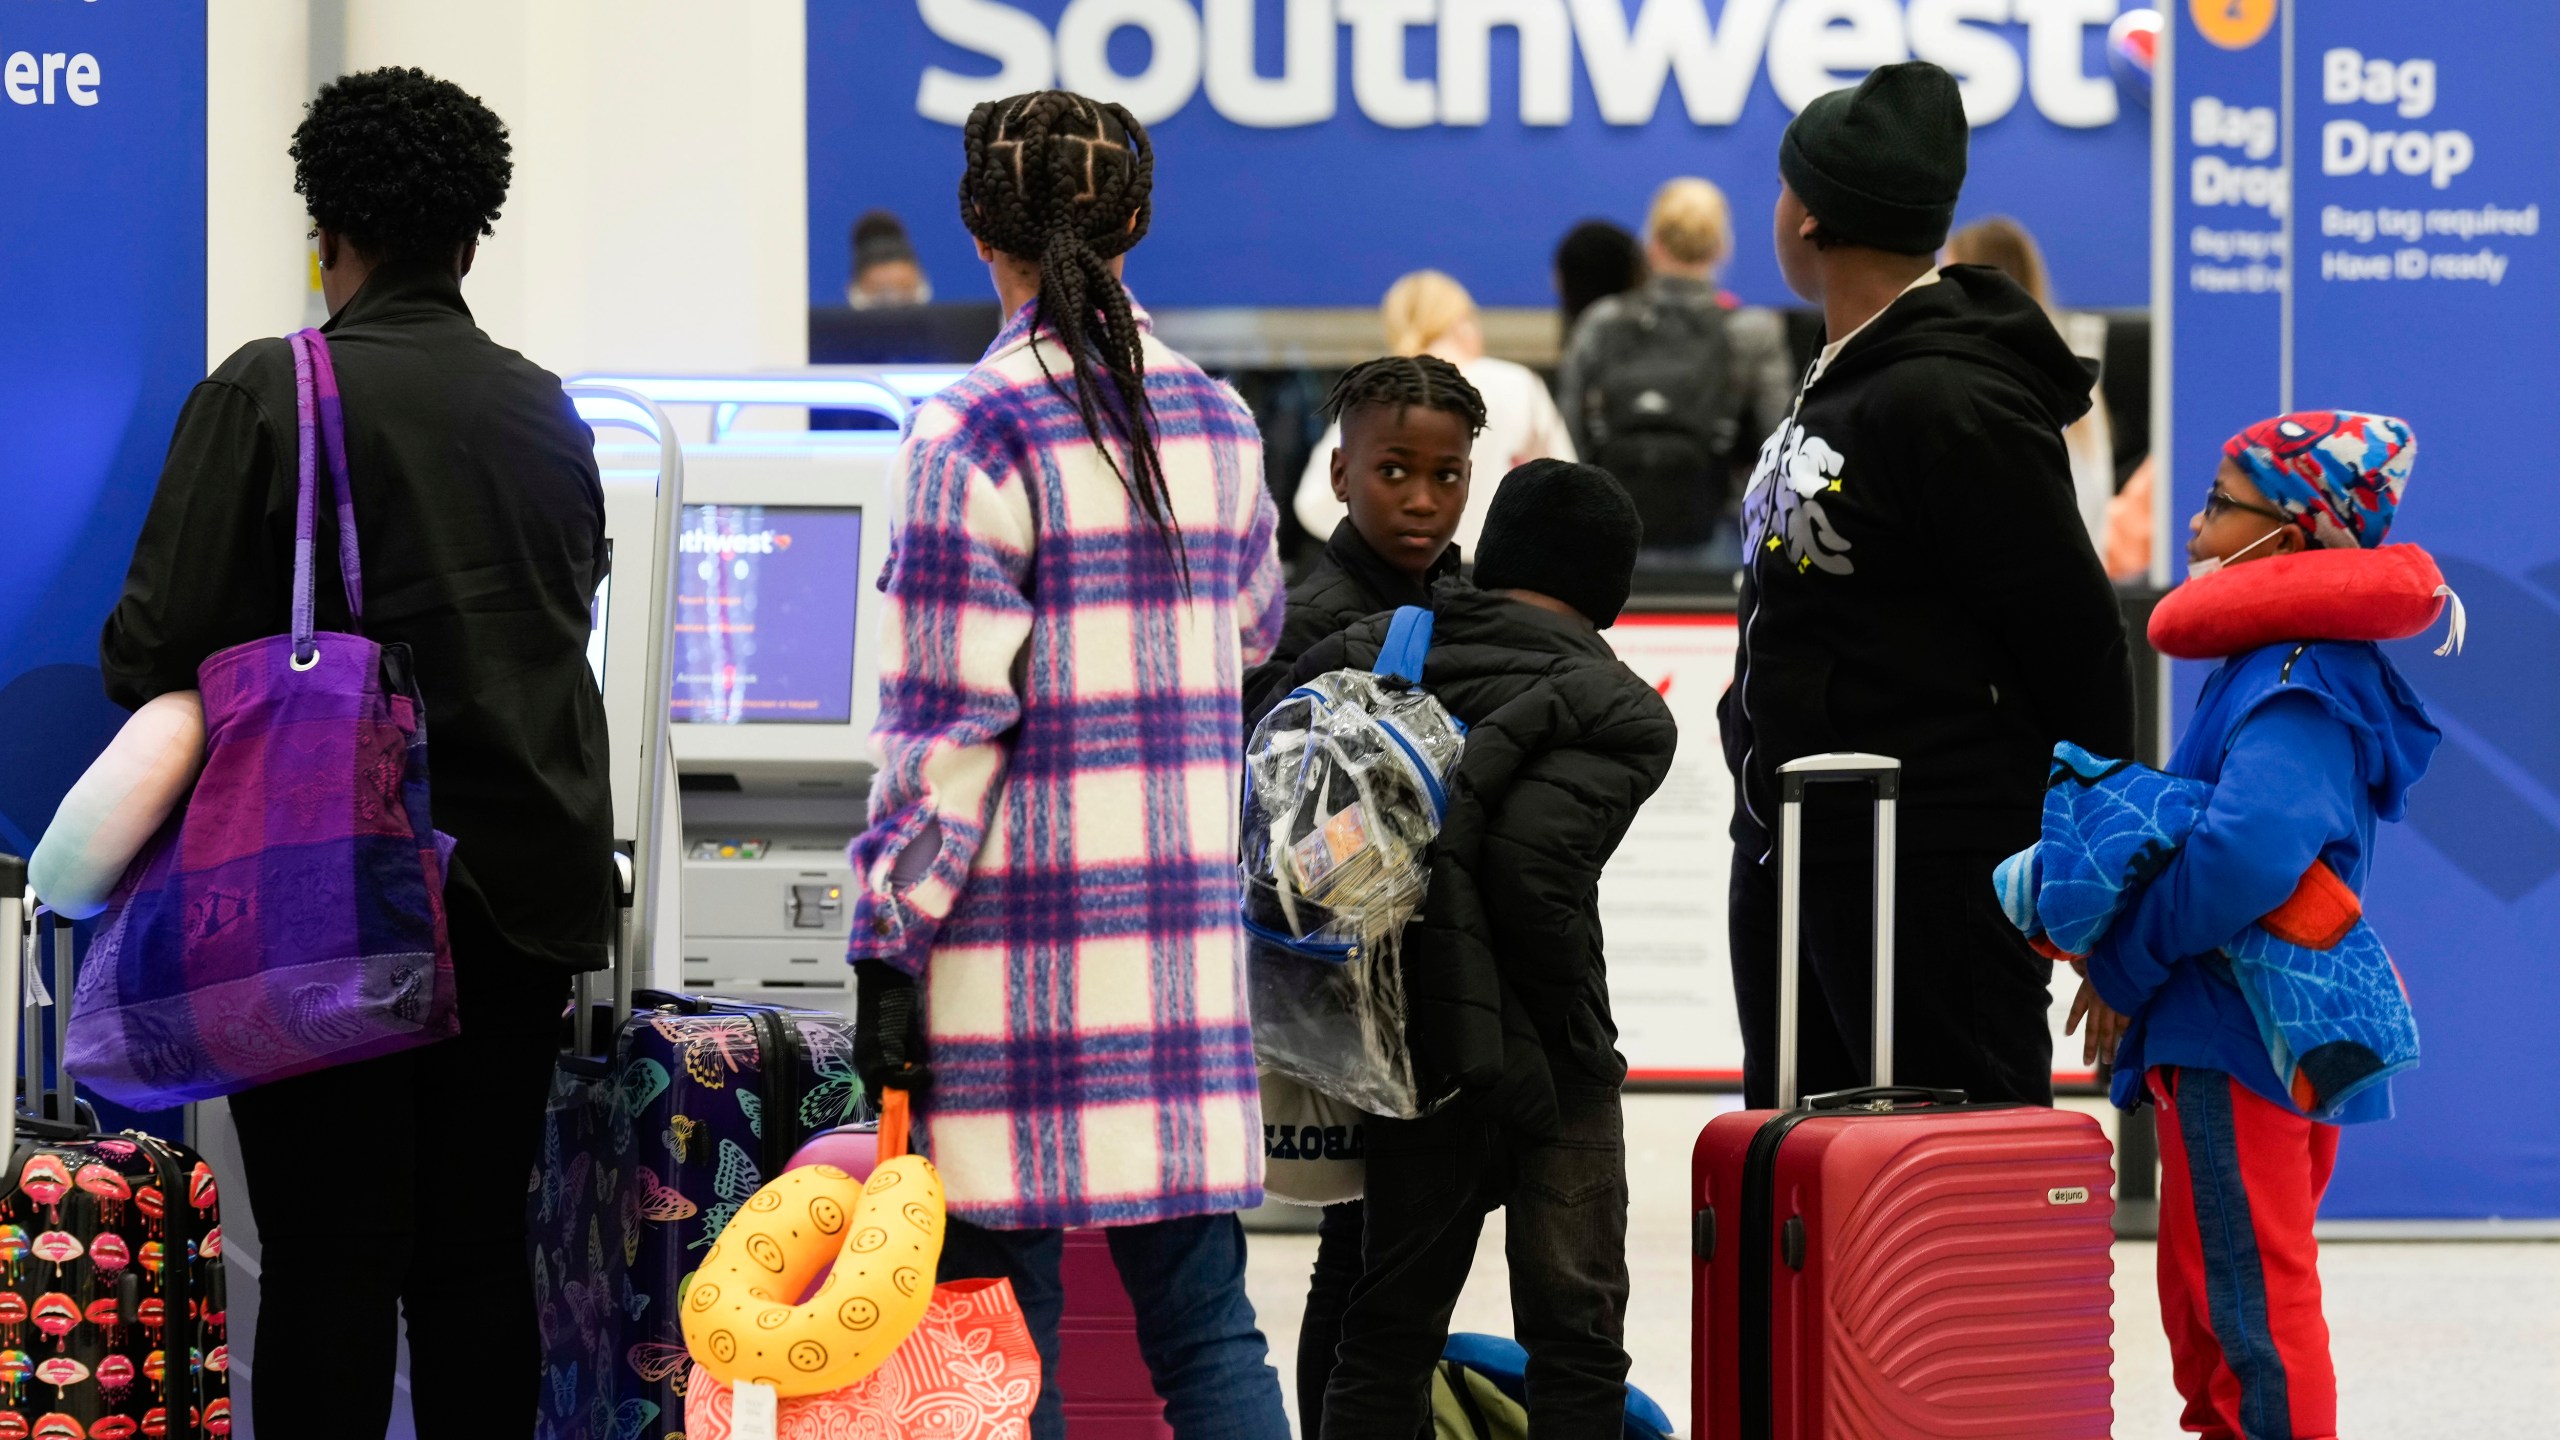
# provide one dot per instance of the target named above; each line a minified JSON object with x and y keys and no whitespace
{"x":398,"y":1184}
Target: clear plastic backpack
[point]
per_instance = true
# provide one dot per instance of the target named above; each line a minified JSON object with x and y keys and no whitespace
{"x":1344,"y":793}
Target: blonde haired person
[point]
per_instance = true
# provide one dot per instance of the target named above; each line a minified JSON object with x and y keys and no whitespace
{"x":1428,"y":313}
{"x":1690,"y":225}
{"x":1670,"y":386}
{"x":2005,"y":246}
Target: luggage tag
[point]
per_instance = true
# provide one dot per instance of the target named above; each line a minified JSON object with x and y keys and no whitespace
{"x":755,"y":1411}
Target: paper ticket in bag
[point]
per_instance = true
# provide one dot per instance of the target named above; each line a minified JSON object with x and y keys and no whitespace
{"x":1346,"y":834}
{"x":755,"y":1411}
{"x":1312,"y":858}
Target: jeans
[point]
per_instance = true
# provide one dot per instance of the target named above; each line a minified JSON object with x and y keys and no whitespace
{"x":1195,"y":1327}
{"x":1430,"y":1184}
{"x":1970,"y":996}
{"x":429,"y":1222}
{"x":1338,"y":1243}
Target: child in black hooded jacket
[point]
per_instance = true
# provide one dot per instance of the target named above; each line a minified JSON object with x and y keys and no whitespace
{"x":1408,"y":424}
{"x":1507,"y":983}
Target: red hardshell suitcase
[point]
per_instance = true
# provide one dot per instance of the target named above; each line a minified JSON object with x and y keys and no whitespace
{"x":1894,"y":1262}
{"x":1109,"y":1395}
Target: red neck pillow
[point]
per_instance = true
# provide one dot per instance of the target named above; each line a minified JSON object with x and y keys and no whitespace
{"x":2390,"y":592}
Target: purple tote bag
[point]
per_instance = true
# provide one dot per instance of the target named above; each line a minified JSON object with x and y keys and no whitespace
{"x":291,"y":916}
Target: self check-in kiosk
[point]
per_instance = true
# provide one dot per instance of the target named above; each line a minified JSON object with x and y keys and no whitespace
{"x":774,"y":681}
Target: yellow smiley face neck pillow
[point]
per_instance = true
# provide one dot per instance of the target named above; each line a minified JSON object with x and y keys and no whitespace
{"x":883,"y":1239}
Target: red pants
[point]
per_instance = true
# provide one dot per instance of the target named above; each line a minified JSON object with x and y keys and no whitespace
{"x":2241,"y":1179}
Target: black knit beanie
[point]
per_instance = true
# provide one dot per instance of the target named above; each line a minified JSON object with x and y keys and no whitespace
{"x":1882,"y":165}
{"x":1564,"y":530}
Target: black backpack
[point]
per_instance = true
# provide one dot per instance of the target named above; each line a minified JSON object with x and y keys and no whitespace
{"x":1662,"y":413}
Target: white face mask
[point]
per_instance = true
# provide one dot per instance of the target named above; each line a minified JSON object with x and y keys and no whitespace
{"x":2198,"y":569}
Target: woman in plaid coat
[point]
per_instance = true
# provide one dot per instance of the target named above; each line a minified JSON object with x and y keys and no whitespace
{"x":1045,"y":925}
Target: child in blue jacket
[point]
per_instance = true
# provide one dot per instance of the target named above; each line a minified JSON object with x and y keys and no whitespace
{"x":2307,"y":744}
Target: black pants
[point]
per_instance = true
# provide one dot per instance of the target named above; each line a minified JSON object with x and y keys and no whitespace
{"x":1430,"y":1184}
{"x":1970,"y":996}
{"x":1338,"y":1241}
{"x":398,"y":1184}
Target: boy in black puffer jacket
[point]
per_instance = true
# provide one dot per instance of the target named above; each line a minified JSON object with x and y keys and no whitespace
{"x":1505,"y":976}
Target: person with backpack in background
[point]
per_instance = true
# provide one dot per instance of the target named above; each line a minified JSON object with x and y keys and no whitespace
{"x":1665,"y":386}
{"x":1919,"y":586}
{"x":1046,"y":935}
{"x":1506,"y":982}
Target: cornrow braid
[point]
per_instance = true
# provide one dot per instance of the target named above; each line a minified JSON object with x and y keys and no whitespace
{"x":1402,"y":381}
{"x":1065,"y":182}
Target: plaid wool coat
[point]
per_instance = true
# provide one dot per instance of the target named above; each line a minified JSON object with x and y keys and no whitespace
{"x":1060,"y":712}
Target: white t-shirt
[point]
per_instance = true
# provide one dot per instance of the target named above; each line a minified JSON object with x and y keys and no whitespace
{"x":1831,"y":352}
{"x":1521,"y":423}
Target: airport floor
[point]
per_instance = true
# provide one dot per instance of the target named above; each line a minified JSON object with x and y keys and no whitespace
{"x":2439,"y":1339}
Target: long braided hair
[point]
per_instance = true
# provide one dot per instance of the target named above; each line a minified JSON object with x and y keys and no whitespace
{"x":1064,"y":182}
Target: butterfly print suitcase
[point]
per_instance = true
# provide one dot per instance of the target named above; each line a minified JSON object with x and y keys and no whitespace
{"x":642,"y":1167}
{"x":111,"y":1276}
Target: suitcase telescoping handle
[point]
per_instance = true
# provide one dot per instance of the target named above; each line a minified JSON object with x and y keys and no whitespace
{"x":635,"y":939}
{"x":13,"y":949}
{"x":593,"y":1022}
{"x":30,"y":934}
{"x":1839,"y":767}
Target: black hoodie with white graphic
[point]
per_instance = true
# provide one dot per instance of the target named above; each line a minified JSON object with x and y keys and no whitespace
{"x":1919,"y":582}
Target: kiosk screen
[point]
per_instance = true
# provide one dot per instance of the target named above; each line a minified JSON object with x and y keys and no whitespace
{"x":765,"y":598}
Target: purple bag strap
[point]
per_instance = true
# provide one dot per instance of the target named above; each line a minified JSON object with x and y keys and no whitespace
{"x":321,"y":422}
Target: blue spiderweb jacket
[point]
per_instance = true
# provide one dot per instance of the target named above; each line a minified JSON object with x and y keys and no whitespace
{"x":2294,"y":753}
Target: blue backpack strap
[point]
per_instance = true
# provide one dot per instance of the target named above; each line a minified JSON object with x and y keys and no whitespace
{"x":1408,"y":643}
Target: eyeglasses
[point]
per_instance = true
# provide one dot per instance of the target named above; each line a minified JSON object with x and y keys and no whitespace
{"x":2217,"y":504}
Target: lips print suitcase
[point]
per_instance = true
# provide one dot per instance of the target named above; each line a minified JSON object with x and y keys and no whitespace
{"x":111,"y":1276}
{"x":1893,"y":1262}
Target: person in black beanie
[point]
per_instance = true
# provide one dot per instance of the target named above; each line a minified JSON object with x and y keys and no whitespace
{"x":1918,"y":584}
{"x":1507,"y":989}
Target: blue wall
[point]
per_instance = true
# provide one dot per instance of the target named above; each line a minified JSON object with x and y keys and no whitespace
{"x":102,"y":265}
{"x":1329,"y":213}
